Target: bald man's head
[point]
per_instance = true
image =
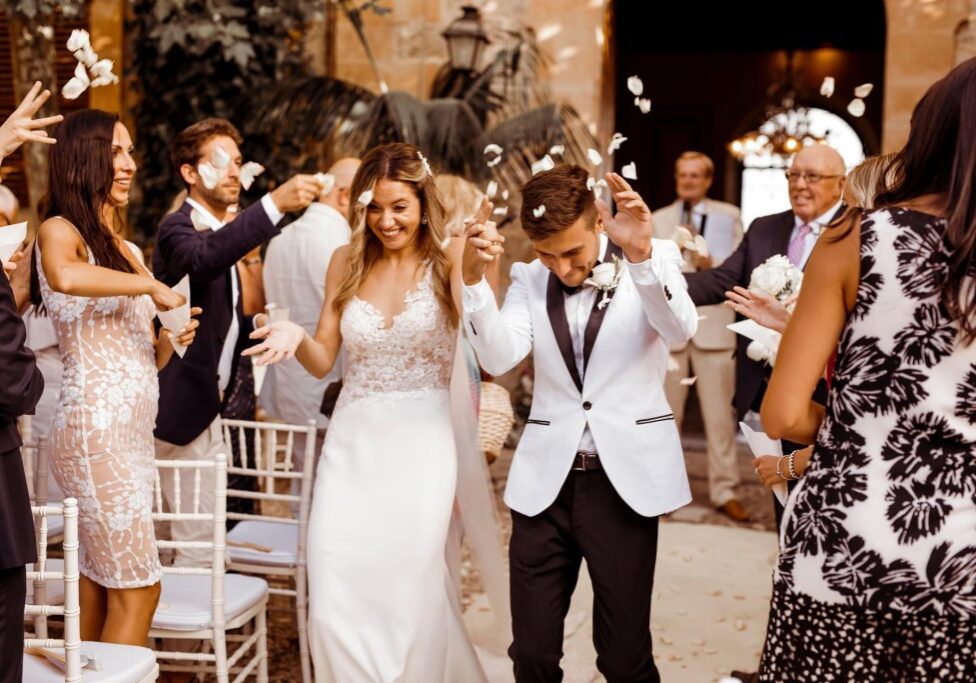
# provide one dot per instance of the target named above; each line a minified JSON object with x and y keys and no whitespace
{"x":817,"y":176}
{"x":343,"y":171}
{"x":9,"y":206}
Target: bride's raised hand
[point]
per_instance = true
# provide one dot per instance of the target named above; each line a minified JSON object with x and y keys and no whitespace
{"x":281,"y":340}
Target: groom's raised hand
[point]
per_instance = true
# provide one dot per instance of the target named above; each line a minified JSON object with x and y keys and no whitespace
{"x":482,"y":244}
{"x":631,"y":228}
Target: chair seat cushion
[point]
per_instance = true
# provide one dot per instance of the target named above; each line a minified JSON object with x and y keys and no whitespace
{"x":55,"y":587}
{"x":281,"y":538}
{"x":117,"y":664}
{"x":185,"y":601}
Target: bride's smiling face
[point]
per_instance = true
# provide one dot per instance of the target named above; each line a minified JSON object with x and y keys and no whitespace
{"x":394,"y":214}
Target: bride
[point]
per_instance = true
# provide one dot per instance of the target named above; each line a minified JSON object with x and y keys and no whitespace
{"x":382,"y":604}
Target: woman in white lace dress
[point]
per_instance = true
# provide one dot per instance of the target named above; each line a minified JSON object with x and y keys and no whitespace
{"x":382,"y":606}
{"x":101,"y":300}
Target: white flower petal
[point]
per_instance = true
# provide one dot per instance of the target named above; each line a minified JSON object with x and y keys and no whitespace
{"x":82,"y":74}
{"x":544,"y":164}
{"x":103,"y":67}
{"x":78,"y":40}
{"x":557,"y":150}
{"x":827,"y":87}
{"x":615,"y":143}
{"x":629,"y":171}
{"x":86,"y":56}
{"x":643,"y":104}
{"x":492,"y":190}
{"x":505,"y":195}
{"x":220,"y":158}
{"x":863,"y":90}
{"x":73,"y":88}
{"x":494,"y":162}
{"x":539,"y":211}
{"x":635,"y":85}
{"x":594,"y":157}
{"x":856,"y":107}
{"x":327,"y":180}
{"x":500,"y":211}
{"x":210,"y":175}
{"x":493,"y":149}
{"x":673,"y":364}
{"x":249,"y":172}
{"x":445,"y":243}
{"x":47,"y":32}
{"x":683,"y":237}
{"x":600,"y":186}
{"x":365,"y":198}
{"x":590,"y":183}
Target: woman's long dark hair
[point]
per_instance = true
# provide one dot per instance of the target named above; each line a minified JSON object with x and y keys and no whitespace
{"x":80,"y":176}
{"x":940,"y":158}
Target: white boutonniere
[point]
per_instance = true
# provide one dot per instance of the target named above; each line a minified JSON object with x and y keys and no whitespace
{"x":605,"y":278}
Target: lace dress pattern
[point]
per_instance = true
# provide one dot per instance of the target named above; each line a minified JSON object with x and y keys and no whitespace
{"x":102,"y":440}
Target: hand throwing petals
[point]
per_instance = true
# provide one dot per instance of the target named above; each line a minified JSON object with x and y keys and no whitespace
{"x":249,"y":172}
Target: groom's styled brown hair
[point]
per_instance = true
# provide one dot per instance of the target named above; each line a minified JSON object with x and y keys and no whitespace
{"x":564,"y":193}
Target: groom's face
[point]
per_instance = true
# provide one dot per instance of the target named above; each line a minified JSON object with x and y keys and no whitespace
{"x":571,"y":253}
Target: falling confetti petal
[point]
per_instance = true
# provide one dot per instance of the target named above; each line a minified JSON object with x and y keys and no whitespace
{"x":702,"y":317}
{"x":365,"y":198}
{"x":643,"y":104}
{"x":600,"y":186}
{"x":594,"y":157}
{"x":493,"y":149}
{"x":494,"y":162}
{"x":327,"y":180}
{"x":492,"y":190}
{"x":252,"y":170}
{"x":102,"y":71}
{"x":856,"y":107}
{"x":615,"y":143}
{"x":505,"y":195}
{"x":688,"y":381}
{"x":635,"y":85}
{"x":629,"y":171}
{"x":557,"y":150}
{"x":445,"y":243}
{"x":544,"y":164}
{"x":220,"y":158}
{"x":590,"y":183}
{"x":863,"y":90}
{"x":539,"y":211}
{"x":47,"y":32}
{"x":827,"y":87}
{"x":77,"y":84}
{"x":500,"y":211}
{"x":210,"y":175}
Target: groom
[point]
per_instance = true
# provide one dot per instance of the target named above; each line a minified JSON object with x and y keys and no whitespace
{"x":600,"y":458}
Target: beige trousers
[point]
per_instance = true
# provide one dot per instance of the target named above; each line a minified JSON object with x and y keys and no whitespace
{"x":204,"y":447}
{"x":715,"y":387}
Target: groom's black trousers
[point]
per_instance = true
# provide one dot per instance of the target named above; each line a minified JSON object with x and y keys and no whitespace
{"x":588,"y":520}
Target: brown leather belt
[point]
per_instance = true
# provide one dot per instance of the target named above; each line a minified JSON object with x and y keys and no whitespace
{"x":586,"y":462}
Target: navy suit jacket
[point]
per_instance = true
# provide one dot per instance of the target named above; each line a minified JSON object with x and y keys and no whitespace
{"x":189,"y":391}
{"x":21,"y":384}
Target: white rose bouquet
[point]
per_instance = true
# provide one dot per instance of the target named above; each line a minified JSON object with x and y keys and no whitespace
{"x":777,"y":277}
{"x":605,"y":278}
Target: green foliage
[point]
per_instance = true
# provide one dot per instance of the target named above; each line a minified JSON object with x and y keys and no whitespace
{"x":41,"y":10}
{"x":197,"y":58}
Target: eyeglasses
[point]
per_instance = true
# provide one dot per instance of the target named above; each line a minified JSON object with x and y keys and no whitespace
{"x":811,"y":178}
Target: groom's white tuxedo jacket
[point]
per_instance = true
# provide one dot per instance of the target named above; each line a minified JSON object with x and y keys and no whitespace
{"x":620,"y":394}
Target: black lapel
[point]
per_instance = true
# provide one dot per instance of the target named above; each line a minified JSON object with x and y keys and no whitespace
{"x":595,"y":320}
{"x":556,"y":307}
{"x":781,"y":241}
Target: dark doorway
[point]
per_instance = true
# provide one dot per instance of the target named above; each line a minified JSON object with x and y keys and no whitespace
{"x":708,"y":69}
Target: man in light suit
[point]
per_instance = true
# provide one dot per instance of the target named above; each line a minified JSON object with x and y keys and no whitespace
{"x":600,"y":458}
{"x":710,"y":355}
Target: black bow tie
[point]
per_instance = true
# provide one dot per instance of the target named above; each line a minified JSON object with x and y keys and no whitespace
{"x":570,"y":291}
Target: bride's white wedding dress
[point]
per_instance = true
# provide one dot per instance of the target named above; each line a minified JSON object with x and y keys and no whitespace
{"x":382,"y":605}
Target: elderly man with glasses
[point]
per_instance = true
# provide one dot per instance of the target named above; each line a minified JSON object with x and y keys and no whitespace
{"x":816,"y":181}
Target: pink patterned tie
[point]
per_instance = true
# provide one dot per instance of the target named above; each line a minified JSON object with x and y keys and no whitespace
{"x":795,"y":251}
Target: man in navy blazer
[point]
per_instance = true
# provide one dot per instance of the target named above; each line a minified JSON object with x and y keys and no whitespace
{"x":195,"y":241}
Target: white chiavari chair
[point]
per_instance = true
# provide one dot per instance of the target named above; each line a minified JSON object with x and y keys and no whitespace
{"x":205,"y":603}
{"x":112,"y":663}
{"x":271,"y":542}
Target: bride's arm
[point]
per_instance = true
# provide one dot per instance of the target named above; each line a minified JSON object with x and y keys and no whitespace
{"x":284,"y":340}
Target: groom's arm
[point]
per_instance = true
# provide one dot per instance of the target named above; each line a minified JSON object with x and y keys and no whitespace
{"x":664,"y":294}
{"x":501,"y":339}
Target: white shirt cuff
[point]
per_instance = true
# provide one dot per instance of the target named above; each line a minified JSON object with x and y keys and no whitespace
{"x":274,"y":215}
{"x":646,"y":272}
{"x":477,"y":296}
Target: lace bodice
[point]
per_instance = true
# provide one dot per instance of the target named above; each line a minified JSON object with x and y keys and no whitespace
{"x":409,"y":359}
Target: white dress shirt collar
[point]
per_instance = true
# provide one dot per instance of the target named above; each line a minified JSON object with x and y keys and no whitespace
{"x":208,"y":218}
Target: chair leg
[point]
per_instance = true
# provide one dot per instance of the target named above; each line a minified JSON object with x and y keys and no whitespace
{"x":220,"y":654}
{"x":262,"y":626}
{"x":301,"y":614}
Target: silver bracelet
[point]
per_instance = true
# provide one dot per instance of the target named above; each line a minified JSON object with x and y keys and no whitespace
{"x":779,"y":472}
{"x":789,"y":464}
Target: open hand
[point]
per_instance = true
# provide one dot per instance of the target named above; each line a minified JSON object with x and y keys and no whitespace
{"x":759,"y":306}
{"x":482,"y":245}
{"x":21,"y":127}
{"x":631,"y":228}
{"x":281,"y":341}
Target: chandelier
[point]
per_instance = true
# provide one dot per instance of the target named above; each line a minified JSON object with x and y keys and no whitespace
{"x":785,"y":128}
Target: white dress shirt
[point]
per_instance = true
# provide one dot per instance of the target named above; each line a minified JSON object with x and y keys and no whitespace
{"x":295,"y":266}
{"x":816,"y":225}
{"x":230,"y":342}
{"x":578,"y":308}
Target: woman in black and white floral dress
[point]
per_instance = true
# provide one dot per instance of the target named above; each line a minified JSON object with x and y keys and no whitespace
{"x":877,"y":576}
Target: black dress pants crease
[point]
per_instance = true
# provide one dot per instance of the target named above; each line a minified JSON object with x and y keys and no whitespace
{"x":588,"y":520}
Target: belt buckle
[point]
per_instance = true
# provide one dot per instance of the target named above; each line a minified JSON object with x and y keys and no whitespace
{"x":583,"y":455}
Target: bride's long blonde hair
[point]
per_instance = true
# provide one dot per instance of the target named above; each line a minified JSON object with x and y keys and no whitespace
{"x":403,"y":163}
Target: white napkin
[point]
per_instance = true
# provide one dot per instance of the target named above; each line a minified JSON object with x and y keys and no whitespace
{"x":177,"y":318}
{"x":11,"y":237}
{"x":763,"y":445}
